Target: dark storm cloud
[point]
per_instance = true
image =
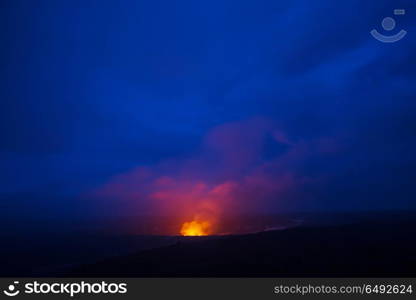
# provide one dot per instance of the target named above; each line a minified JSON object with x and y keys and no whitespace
{"x":90,"y":89}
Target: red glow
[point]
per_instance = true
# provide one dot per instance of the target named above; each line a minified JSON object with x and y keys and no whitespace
{"x":196,"y":228}
{"x":229,"y":176}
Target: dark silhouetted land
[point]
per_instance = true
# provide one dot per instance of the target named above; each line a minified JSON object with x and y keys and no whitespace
{"x":379,"y":246}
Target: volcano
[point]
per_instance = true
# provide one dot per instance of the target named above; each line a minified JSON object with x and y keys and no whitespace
{"x":196,"y":228}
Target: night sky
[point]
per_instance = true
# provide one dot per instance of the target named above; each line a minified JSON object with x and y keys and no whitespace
{"x":152,"y":107}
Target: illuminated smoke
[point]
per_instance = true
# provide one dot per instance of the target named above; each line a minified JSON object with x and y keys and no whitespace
{"x":229,"y":176}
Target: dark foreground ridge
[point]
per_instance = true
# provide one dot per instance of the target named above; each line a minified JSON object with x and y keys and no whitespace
{"x":370,"y":249}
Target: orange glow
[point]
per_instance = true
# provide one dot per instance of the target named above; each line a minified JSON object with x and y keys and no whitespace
{"x":196,"y":228}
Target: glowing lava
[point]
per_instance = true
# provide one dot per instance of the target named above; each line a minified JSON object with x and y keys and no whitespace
{"x":196,"y":228}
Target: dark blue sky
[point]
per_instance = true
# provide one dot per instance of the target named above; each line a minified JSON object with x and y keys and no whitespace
{"x":93,"y":91}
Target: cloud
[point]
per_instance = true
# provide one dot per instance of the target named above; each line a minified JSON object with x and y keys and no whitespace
{"x":231,"y":174}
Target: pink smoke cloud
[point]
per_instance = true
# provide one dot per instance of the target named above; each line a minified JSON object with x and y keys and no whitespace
{"x":228,"y":176}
